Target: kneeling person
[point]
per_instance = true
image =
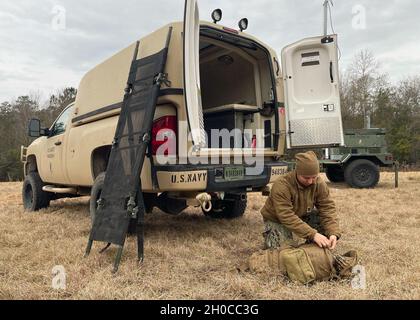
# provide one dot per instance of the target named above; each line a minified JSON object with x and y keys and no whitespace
{"x":291,"y":205}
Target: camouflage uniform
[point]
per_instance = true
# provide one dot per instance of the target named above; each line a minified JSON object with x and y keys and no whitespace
{"x":276,"y":234}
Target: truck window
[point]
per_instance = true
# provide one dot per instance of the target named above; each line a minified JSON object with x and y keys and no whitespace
{"x":60,"y":124}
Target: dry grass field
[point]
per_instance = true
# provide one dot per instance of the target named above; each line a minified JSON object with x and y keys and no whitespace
{"x":193,"y":257}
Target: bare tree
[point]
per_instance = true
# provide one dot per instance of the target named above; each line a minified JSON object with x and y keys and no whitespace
{"x":360,"y":85}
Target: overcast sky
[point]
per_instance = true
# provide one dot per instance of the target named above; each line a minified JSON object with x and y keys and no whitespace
{"x":41,"y":52}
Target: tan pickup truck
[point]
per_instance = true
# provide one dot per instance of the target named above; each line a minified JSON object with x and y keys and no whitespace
{"x":216,"y":78}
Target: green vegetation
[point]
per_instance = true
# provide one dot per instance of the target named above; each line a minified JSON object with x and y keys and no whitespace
{"x":14,"y":118}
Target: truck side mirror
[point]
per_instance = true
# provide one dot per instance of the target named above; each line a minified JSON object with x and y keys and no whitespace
{"x":34,"y":128}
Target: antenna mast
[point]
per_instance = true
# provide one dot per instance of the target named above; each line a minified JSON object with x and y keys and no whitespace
{"x":326,"y":5}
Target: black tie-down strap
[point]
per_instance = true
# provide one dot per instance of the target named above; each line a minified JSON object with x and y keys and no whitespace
{"x":121,"y":197}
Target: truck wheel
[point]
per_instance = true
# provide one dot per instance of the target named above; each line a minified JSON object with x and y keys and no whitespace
{"x":334,"y":174}
{"x":361,"y":174}
{"x":227,"y":209}
{"x":95,"y":195}
{"x":34,"y":198}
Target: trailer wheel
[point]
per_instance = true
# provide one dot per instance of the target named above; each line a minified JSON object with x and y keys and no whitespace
{"x":361,"y":174}
{"x":95,"y":195}
{"x":33,"y":197}
{"x":334,"y":173}
{"x":227,"y":209}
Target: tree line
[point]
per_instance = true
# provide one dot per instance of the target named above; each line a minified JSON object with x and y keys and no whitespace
{"x":14,"y":119}
{"x":368,"y":98}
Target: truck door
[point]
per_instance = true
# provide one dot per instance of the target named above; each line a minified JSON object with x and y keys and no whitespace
{"x":192,"y":89}
{"x":53,"y":162}
{"x":312,"y":98}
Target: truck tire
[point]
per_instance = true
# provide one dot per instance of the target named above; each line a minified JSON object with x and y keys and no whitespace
{"x":34,"y":198}
{"x":95,"y":195}
{"x":227,"y":209}
{"x":334,"y":173}
{"x":362,"y":174}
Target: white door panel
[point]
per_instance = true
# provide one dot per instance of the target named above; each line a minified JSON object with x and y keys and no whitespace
{"x":192,"y":89}
{"x":312,"y":94}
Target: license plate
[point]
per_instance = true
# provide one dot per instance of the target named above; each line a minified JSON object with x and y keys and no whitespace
{"x":236,"y":173}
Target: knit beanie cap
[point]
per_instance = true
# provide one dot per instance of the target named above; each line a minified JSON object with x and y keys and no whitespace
{"x":307,"y":164}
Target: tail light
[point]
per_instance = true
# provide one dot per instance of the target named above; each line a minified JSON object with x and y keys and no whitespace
{"x":254,"y":142}
{"x":164,"y":129}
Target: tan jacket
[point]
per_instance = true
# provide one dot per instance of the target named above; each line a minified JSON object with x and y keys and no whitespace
{"x":289,"y":201}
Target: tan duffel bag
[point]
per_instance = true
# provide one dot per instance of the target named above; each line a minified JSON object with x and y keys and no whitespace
{"x":265,"y":260}
{"x":306,"y":263}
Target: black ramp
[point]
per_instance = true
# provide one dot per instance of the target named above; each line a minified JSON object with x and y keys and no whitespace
{"x":121,"y":198}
